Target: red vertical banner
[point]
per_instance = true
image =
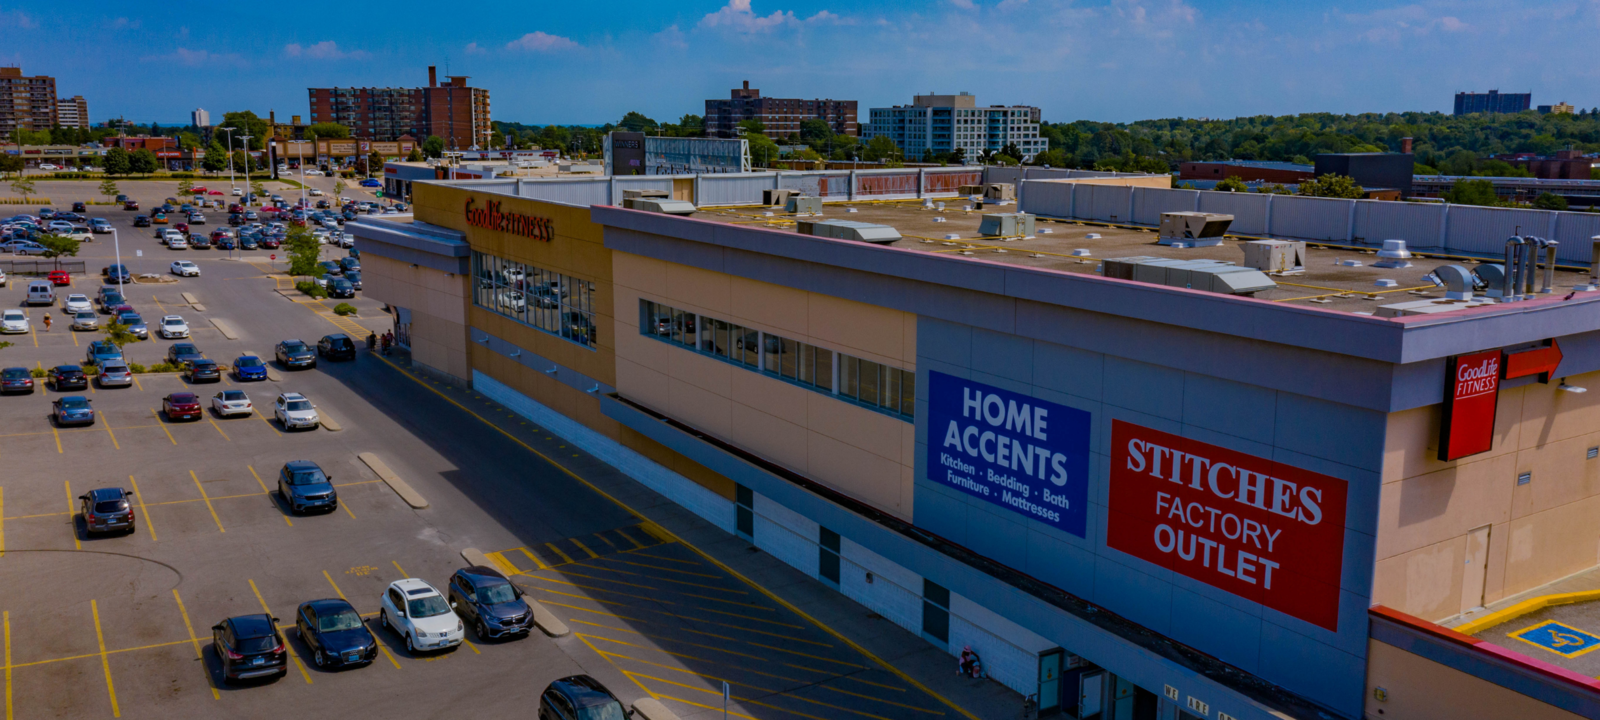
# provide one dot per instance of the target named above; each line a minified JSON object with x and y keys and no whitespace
{"x":1471,"y":400}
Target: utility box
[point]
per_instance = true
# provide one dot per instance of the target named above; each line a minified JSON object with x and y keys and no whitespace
{"x":970,"y":190}
{"x":665,"y":206}
{"x":804,"y":204}
{"x":1193,"y":229}
{"x":636,"y":194}
{"x":849,"y":230}
{"x":772,"y":198}
{"x":997,"y":192}
{"x":1006,"y":225}
{"x":1275,"y":257}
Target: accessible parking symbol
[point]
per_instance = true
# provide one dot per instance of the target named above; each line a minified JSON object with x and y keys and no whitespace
{"x":1558,"y":638}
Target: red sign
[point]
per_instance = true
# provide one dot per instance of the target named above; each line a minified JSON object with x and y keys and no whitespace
{"x":1541,"y":361}
{"x":1268,"y":532}
{"x":1472,"y":396}
{"x":490,"y":216}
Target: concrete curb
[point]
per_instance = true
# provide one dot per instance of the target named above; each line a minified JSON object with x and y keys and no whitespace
{"x":189,"y":298}
{"x":224,"y":328}
{"x":330,"y":424}
{"x":546,"y":620}
{"x":399,"y":486}
{"x":1526,"y":607}
{"x":272,"y":372}
{"x":652,"y":709}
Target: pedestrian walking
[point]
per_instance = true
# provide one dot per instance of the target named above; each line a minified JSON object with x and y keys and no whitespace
{"x":47,"y":323}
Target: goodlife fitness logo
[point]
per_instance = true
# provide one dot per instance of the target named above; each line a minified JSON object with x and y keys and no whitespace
{"x":1265,"y":531}
{"x":491,"y":217}
{"x":1474,"y":398}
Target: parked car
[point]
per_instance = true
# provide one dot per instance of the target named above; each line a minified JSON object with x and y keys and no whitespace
{"x":173,"y":326}
{"x":41,"y":292}
{"x":134,"y":205}
{"x":180,"y":353}
{"x":77,"y":302}
{"x":67,"y":377}
{"x":579,"y":696}
{"x":231,"y":402}
{"x":484,"y":598}
{"x":417,"y":612}
{"x":139,"y":220}
{"x":80,"y":206}
{"x":354,"y":278}
{"x":202,"y":370}
{"x":106,"y":510}
{"x":249,"y":647}
{"x":86,"y":320}
{"x":295,"y":353}
{"x":337,"y":346}
{"x":249,"y":367}
{"x":184,"y":268}
{"x":72,"y":410}
{"x":13,"y":321}
{"x":160,"y":218}
{"x":371,"y":183}
{"x":199,"y":241}
{"x":181,"y":406}
{"x":339,"y":287}
{"x":109,"y":300}
{"x":102,"y":351}
{"x":334,"y":633}
{"x":293,"y":410}
{"x":16,"y":379}
{"x":304,"y":486}
{"x":117,"y":273}
{"x":115,"y":373}
{"x":59,"y":277}
{"x":135,"y":324}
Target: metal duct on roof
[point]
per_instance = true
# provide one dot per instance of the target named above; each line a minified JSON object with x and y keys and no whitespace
{"x":1210,"y":275}
{"x":849,"y":230}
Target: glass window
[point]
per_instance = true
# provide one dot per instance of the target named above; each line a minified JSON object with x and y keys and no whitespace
{"x":535,"y":296}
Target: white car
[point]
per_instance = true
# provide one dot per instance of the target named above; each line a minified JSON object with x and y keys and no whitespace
{"x":312,"y":173}
{"x":231,"y":402}
{"x":295,"y":411}
{"x":86,"y":320}
{"x":60,"y":227}
{"x":14,"y":321}
{"x":173,"y":326}
{"x":78,"y":303}
{"x":48,"y":166}
{"x":184,"y":268}
{"x":315,"y":192}
{"x":238,"y":192}
{"x":178,"y":242}
{"x":170,"y":234}
{"x":421,"y":614}
{"x":3,"y":278}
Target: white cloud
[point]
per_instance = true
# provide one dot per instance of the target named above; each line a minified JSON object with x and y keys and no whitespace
{"x":123,"y":23}
{"x":672,"y":38}
{"x":325,"y":50}
{"x":964,"y":4}
{"x":738,"y":16}
{"x":541,"y":41}
{"x":193,"y":58}
{"x":475,"y":49}
{"x":829,"y":18}
{"x":19,"y":19}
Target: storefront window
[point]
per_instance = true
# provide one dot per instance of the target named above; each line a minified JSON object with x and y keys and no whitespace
{"x":558,"y":304}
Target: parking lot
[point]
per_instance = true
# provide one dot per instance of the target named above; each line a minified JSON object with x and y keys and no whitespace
{"x":120,"y":626}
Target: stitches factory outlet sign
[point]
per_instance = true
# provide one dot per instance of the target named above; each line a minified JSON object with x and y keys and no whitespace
{"x":1026,"y":455}
{"x":490,"y":216}
{"x":1265,"y":531}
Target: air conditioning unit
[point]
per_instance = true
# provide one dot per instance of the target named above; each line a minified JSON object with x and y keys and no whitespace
{"x":1006,"y":225}
{"x":1193,"y":229}
{"x":630,"y":198}
{"x":804,"y":204}
{"x":773,"y":198}
{"x":849,"y":230}
{"x":970,"y":190}
{"x":1210,"y":275}
{"x":997,"y":192}
{"x":665,"y":206}
{"x":1275,"y":257}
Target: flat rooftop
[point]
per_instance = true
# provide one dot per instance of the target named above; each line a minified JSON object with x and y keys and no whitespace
{"x":1324,"y":283}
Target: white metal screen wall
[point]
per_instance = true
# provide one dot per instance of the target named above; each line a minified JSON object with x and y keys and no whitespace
{"x":1309,"y":218}
{"x":1420,"y":225}
{"x":589,"y":191}
{"x":1149,"y":203}
{"x":732,"y":189}
{"x":1249,"y":210}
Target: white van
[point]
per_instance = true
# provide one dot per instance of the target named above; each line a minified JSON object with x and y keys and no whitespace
{"x":41,"y":292}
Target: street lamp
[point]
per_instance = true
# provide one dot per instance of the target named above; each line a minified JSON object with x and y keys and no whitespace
{"x":117,"y":245}
{"x":246,"y":139}
{"x":231,"y":181}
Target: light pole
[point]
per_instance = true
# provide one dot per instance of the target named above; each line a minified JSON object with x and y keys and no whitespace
{"x":231,"y":181}
{"x":246,"y":139}
{"x":117,"y":245}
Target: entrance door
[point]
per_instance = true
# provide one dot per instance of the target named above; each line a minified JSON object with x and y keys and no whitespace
{"x":1476,"y":570}
{"x":1050,"y":682}
{"x":1091,"y":695}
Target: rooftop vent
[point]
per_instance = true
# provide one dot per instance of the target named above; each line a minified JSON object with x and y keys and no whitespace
{"x":849,"y":230}
{"x":799,"y":204}
{"x":1394,"y":255}
{"x":1277,"y":257}
{"x":1210,"y":275}
{"x":780,"y":196}
{"x":1006,"y":225}
{"x":998,"y":192}
{"x":666,"y":206}
{"x":636,"y":194}
{"x":1193,"y":229}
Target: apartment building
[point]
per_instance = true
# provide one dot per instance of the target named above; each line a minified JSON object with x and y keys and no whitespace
{"x":457,"y":113}
{"x":934,"y":124}
{"x":73,"y":113}
{"x":26,"y":102}
{"x":781,"y":117}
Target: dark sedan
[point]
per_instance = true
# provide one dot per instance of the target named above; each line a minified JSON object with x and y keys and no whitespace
{"x":249,"y":647}
{"x":202,"y":370}
{"x":117,"y":273}
{"x":182,"y":406}
{"x":247,"y":242}
{"x":16,"y":379}
{"x":106,"y":510}
{"x":334,"y":633}
{"x":579,"y":696}
{"x":141,"y":220}
{"x":337,"y":346}
{"x":486,"y":599}
{"x":72,"y":410}
{"x":341,"y":288}
{"x":295,"y":353}
{"x":182,"y":353}
{"x":249,"y":367}
{"x":68,"y":377}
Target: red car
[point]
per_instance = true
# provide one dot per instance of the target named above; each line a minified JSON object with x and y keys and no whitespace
{"x":271,"y":243}
{"x":197,"y":191}
{"x":219,"y":234}
{"x":181,"y":406}
{"x":214,"y":192}
{"x":235,"y":207}
{"x":59,"y":277}
{"x":182,"y":227}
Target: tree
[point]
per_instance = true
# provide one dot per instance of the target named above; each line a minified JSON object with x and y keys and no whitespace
{"x":815,"y":131}
{"x":375,"y":163}
{"x":246,"y":123}
{"x":23,"y":185}
{"x":1011,"y":149}
{"x":415,"y":156}
{"x":257,"y":189}
{"x":1231,"y":184}
{"x":186,"y":187}
{"x":11,"y":164}
{"x":339,"y":187}
{"x":58,"y":245}
{"x":879,"y":148}
{"x":303,"y":250}
{"x":1472,"y":192}
{"x":1331,"y":186}
{"x":762,"y":149}
{"x":1274,"y":189}
{"x":433,"y":147}
{"x":1550,"y":201}
{"x":118,"y":162}
{"x":636,"y":122}
{"x":1004,"y":159}
{"x":118,"y":334}
{"x":327,"y":130}
{"x":216,"y":158}
{"x":143,"y":162}
{"x":753,"y":127}
{"x":108,"y":188}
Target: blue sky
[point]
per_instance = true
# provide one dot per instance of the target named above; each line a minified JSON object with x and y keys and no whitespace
{"x":566,"y":62}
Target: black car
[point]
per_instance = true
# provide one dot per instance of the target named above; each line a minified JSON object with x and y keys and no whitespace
{"x":248,"y":242}
{"x":335,"y":634}
{"x":141,"y":221}
{"x":68,"y":377}
{"x":579,"y":697}
{"x":487,"y":600}
{"x":341,"y":288}
{"x":249,"y":647}
{"x":295,"y":353}
{"x":236,"y":219}
{"x":183,"y":353}
{"x":225,"y":243}
{"x":109,"y":300}
{"x":105,"y":510}
{"x":79,"y":207}
{"x":304,"y":487}
{"x":354,"y":276}
{"x":202,"y":370}
{"x":337,"y":346}
{"x":199,"y":241}
{"x":117,"y":273}
{"x":16,"y":379}
{"x":349,"y":263}
{"x":330,"y":267}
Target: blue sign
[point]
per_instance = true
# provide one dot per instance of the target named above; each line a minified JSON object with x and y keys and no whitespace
{"x":1016,"y":451}
{"x":1558,"y":638}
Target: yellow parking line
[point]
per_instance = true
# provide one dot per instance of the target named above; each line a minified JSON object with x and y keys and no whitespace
{"x":652,"y":567}
{"x":57,"y":433}
{"x":138,"y":384}
{"x":639,"y":545}
{"x":106,"y":420}
{"x":534,"y":558}
{"x":264,"y":419}
{"x":3,"y":524}
{"x":72,"y":512}
{"x":198,"y":654}
{"x":713,"y":647}
{"x":769,"y":691}
{"x":401,"y":569}
{"x":163,"y":426}
{"x":6,"y":617}
{"x":208,"y":501}
{"x":105,"y":663}
{"x":347,"y":510}
{"x":585,"y":548}
{"x":641,"y":553}
{"x":142,"y":509}
{"x":831,"y":675}
{"x":649,"y":587}
{"x":215,"y":425}
{"x":381,"y":646}
{"x":268,"y":493}
{"x":642,"y":575}
{"x":557,"y":551}
{"x":286,"y":649}
{"x":499,"y":561}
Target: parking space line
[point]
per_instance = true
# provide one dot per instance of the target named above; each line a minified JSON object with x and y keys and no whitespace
{"x":534,"y":558}
{"x":3,"y":526}
{"x":585,"y":548}
{"x":690,"y":618}
{"x":822,"y":685}
{"x":105,"y":663}
{"x":642,"y":575}
{"x":654,"y":567}
{"x":208,"y":501}
{"x":136,"y":383}
{"x":268,"y":493}
{"x":564,"y":557}
{"x":713,"y":622}
{"x":214,"y":424}
{"x":649,"y":587}
{"x":6,"y":618}
{"x":264,"y":419}
{"x":198,"y":654}
{"x":163,"y":426}
{"x":72,"y":511}
{"x":347,"y":510}
{"x":401,"y":569}
{"x":745,"y":668}
{"x":106,"y":420}
{"x":665,"y":638}
{"x":637,"y":545}
{"x":57,"y":433}
{"x":142,"y":509}
{"x":640,"y":552}
{"x":381,"y":645}
{"x":286,"y":649}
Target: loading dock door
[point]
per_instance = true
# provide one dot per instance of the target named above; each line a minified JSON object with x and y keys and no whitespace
{"x":1050,"y":681}
{"x":1091,"y":695}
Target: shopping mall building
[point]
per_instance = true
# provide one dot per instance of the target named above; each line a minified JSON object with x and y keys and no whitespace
{"x":1134,"y":495}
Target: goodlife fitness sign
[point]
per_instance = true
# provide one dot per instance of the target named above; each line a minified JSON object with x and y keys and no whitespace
{"x":1265,"y":531}
{"x":1471,"y":401}
{"x":490,"y":216}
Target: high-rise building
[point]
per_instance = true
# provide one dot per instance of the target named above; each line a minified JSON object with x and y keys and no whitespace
{"x":73,"y":112}
{"x":458,"y":114}
{"x":780,"y":116}
{"x":26,"y":103}
{"x":1493,"y":101}
{"x":944,"y":123}
{"x":1559,"y":108}
{"x":200,"y":118}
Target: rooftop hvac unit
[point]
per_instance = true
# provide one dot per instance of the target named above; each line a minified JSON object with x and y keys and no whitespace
{"x":665,"y":206}
{"x":970,"y":190}
{"x":799,"y":204}
{"x":772,"y":198}
{"x":1193,"y":229}
{"x":1276,"y":257}
{"x":849,"y":230}
{"x":1427,"y":307}
{"x":1210,"y":275}
{"x":1006,"y":225}
{"x":635,"y":194}
{"x":999,"y":191}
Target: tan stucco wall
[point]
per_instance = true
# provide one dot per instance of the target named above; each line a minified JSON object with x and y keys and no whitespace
{"x":1420,"y":689}
{"x":437,"y":302}
{"x":1540,"y":532}
{"x":863,"y":453}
